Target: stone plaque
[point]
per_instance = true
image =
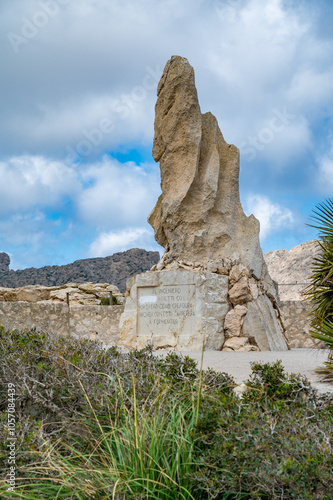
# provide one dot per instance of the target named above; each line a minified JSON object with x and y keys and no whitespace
{"x":178,"y":309}
{"x":166,"y":310}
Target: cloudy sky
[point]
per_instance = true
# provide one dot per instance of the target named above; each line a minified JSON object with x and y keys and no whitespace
{"x":78,"y":89}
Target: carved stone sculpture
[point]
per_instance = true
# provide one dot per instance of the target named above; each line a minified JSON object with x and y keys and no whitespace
{"x":212,"y":284}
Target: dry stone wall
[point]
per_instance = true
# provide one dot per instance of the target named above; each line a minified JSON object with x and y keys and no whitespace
{"x":295,"y":316}
{"x":82,"y":322}
{"x":102,"y":322}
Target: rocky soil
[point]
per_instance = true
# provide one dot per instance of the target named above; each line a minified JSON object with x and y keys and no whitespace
{"x":114,"y":270}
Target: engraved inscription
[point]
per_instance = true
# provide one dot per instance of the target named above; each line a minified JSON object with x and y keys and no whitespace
{"x":166,"y":309}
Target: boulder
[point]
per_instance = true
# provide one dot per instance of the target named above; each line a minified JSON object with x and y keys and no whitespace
{"x":234,"y":320}
{"x":240,"y":293}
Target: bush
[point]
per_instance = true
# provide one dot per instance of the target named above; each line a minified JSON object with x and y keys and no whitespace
{"x":93,"y":422}
{"x":274,"y":443}
{"x":105,"y":301}
{"x":271,"y":386}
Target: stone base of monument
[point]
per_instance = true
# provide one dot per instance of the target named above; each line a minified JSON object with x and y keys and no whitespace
{"x":182,"y":309}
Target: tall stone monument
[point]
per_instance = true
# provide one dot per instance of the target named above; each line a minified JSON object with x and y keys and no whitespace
{"x":212,"y":283}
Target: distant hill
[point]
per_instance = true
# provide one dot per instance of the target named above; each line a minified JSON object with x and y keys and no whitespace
{"x":115,"y":270}
{"x":286,"y":268}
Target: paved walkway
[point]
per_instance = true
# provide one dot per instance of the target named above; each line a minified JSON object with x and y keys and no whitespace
{"x":237,"y":364}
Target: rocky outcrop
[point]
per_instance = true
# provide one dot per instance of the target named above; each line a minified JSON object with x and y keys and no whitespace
{"x":72,"y":294}
{"x":4,"y":262}
{"x":210,"y":244}
{"x":291,"y":269}
{"x":198,"y":216}
{"x":114,"y":269}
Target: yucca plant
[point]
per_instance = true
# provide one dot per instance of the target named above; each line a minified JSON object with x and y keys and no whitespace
{"x":320,"y":290}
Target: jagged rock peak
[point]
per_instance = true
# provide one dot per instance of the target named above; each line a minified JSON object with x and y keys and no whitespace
{"x":4,"y":262}
{"x":198,"y":216}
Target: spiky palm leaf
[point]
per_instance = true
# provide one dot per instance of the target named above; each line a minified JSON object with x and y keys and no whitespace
{"x":325,"y":333}
{"x":320,"y":290}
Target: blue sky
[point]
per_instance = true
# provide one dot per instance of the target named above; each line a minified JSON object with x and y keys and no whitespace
{"x":78,"y":89}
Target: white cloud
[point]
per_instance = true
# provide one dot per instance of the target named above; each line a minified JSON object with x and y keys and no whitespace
{"x":312,"y":85}
{"x":118,"y":194}
{"x":30,"y":181}
{"x":325,"y":179}
{"x":44,"y":203}
{"x":272,"y":216}
{"x":268,"y":57}
{"x":113,"y":241}
{"x":89,"y":63}
{"x":255,"y":57}
{"x":278,"y":142}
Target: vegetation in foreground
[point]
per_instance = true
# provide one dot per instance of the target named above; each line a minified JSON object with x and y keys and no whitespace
{"x":320,"y":290}
{"x":97,"y":424}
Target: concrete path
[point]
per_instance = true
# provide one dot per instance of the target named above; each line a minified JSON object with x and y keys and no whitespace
{"x":237,"y":364}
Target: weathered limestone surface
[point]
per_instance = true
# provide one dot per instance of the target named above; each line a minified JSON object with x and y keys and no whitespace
{"x":262,"y":324}
{"x":213,"y":265}
{"x":198,"y":216}
{"x":234,"y":320}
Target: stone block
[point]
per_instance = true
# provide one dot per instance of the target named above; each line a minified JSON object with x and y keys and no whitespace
{"x":176,"y":309}
{"x":234,"y":320}
{"x":240,"y":292}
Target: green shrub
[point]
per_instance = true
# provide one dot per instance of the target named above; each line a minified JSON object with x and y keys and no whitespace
{"x":275,"y":442}
{"x":99,"y":419}
{"x":105,"y":301}
{"x":270,"y":385}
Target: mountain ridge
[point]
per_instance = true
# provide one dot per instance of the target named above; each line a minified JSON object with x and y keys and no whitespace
{"x":114,"y":269}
